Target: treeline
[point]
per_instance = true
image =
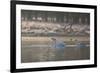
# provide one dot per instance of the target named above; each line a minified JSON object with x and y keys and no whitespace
{"x":56,"y":17}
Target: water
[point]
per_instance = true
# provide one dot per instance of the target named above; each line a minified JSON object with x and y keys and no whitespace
{"x":41,"y":49}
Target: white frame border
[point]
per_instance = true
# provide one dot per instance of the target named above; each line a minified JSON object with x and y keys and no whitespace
{"x":51,"y":64}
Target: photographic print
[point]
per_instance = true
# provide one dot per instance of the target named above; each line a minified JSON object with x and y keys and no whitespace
{"x":54,"y":36}
{"x":51,"y":36}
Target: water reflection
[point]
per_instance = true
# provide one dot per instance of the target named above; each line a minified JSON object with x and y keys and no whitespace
{"x":41,"y":49}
